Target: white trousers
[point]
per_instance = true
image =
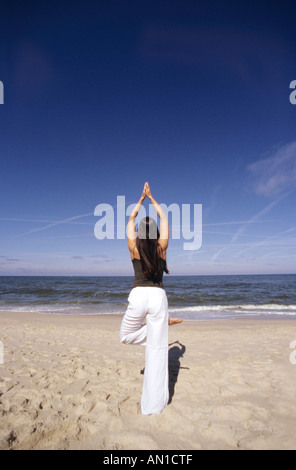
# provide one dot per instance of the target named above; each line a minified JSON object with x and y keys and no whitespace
{"x":149,"y":303}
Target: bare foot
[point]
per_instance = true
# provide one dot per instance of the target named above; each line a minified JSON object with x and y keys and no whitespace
{"x":174,"y":321}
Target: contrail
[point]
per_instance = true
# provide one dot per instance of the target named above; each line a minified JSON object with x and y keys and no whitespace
{"x":267,"y":239}
{"x":258,"y":216}
{"x":20,"y":219}
{"x":54,"y":224}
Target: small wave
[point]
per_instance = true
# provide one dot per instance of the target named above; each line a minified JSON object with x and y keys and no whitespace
{"x":201,"y":308}
{"x":212,"y":312}
{"x":64,"y":310}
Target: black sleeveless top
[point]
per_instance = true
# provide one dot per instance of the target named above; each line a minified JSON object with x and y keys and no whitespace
{"x":142,"y":281}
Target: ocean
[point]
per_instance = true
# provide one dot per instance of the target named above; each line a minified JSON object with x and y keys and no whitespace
{"x":189,"y":297}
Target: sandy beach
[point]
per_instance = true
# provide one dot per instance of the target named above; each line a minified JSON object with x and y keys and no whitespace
{"x":66,"y":382}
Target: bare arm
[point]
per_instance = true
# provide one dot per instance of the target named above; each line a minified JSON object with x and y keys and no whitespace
{"x":164,"y":225}
{"x":131,"y":233}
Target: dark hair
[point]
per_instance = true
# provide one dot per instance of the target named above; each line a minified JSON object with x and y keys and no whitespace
{"x":149,"y":250}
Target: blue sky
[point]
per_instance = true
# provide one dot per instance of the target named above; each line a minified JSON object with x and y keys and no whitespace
{"x":193,"y":97}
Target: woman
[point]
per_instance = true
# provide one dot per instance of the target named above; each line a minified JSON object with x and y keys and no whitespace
{"x":147,"y":300}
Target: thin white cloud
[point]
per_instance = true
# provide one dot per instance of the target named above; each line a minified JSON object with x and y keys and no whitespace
{"x":19,"y":219}
{"x":215,"y":256}
{"x":236,"y":222}
{"x":45,"y":221}
{"x":53,"y":224}
{"x":257,"y":216}
{"x":266,"y":241}
{"x":277,"y":173}
{"x":213,"y":200}
{"x":244,"y":224}
{"x":251,"y":235}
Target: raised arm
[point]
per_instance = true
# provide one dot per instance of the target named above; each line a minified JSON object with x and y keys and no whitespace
{"x":131,"y":232}
{"x":164,"y":225}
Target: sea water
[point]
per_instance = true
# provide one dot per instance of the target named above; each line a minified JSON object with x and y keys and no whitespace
{"x":189,"y":297}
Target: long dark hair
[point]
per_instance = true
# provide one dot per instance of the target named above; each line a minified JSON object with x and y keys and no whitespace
{"x":149,"y":250}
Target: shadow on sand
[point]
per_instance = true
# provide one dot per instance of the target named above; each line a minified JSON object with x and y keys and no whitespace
{"x":176,"y":351}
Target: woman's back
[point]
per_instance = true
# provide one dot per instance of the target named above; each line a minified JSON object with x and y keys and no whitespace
{"x":141,"y":280}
